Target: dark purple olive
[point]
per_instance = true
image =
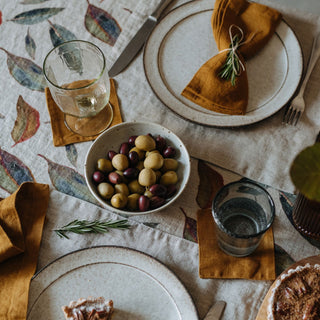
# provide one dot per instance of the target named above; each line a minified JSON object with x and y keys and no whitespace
{"x":171,"y":190}
{"x":98,"y":177}
{"x":169,"y":152}
{"x":144,"y":203}
{"x":156,"y":202}
{"x":111,"y":154}
{"x":161,"y":143}
{"x":131,"y":141}
{"x":114,"y":178}
{"x":124,"y":148}
{"x":133,"y":158}
{"x":150,"y":135}
{"x":131,"y":173}
{"x":158,"y":190}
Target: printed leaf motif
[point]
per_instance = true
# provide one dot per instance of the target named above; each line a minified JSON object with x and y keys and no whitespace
{"x":151,"y":224}
{"x":26,"y":72}
{"x":72,"y":154}
{"x":68,"y":181}
{"x":287,"y":201}
{"x":27,"y":122}
{"x":282,"y":259}
{"x":60,"y":34}
{"x":32,"y":1}
{"x":30,"y":45}
{"x":102,"y":25}
{"x":13,"y":172}
{"x":36,"y":15}
{"x":0,"y":17}
{"x":210,"y":182}
{"x":1,"y":116}
{"x":190,"y":228}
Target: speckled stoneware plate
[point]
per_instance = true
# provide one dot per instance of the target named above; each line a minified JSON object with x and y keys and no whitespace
{"x":140,"y":286}
{"x":183,"y":41}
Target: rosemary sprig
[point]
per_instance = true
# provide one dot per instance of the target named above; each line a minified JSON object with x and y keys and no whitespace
{"x":95,"y":226}
{"x":231,"y":67}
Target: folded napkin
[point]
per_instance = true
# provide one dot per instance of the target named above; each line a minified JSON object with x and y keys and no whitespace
{"x":214,"y":263}
{"x":21,"y":222}
{"x":255,"y":24}
{"x":61,"y":134}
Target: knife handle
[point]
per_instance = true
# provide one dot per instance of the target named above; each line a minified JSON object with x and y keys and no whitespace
{"x":163,"y":4}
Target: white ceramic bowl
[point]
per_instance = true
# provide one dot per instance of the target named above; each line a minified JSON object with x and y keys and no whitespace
{"x":112,"y":138}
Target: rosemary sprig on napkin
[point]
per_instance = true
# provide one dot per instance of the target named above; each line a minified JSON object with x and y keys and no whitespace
{"x":95,"y":226}
{"x":231,"y":67}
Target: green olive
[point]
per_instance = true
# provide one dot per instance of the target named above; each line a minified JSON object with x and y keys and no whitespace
{"x":132,"y":203}
{"x":140,"y":165}
{"x":147,"y":177}
{"x":170,"y":177}
{"x":169,"y":164}
{"x":104,"y":165}
{"x":145,"y":143}
{"x":141,"y":153}
{"x":153,"y":161}
{"x":120,"y":162}
{"x":148,"y":194}
{"x":105,"y":190}
{"x":122,"y":188}
{"x":150,"y":152}
{"x":119,"y":200}
{"x":135,"y":187}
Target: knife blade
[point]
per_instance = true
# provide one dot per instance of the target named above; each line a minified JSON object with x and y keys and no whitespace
{"x":137,"y":42}
{"x":216,"y":311}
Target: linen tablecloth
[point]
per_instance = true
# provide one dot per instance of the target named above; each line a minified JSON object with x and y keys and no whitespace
{"x":180,"y":255}
{"x":270,"y":147}
{"x":28,"y":30}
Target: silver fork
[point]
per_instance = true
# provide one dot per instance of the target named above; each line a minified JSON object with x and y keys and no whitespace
{"x":297,"y":106}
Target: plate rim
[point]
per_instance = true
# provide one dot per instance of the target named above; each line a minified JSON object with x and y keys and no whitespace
{"x":166,"y":273}
{"x":210,"y":120}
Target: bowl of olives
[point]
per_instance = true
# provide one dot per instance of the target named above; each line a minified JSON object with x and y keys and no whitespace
{"x":137,"y":168}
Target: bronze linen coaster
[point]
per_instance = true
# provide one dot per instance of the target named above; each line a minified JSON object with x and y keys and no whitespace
{"x":214,"y":263}
{"x":61,"y":134}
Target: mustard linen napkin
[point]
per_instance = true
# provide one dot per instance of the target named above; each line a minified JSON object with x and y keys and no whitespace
{"x":61,"y":134}
{"x":258,"y":23}
{"x":214,"y":263}
{"x":21,"y":223}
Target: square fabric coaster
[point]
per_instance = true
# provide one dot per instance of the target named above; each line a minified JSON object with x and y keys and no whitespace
{"x":61,"y":134}
{"x":214,"y":263}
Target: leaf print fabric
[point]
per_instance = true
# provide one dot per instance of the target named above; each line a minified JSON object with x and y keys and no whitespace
{"x":27,"y":122}
{"x":69,"y":181}
{"x":13,"y":172}
{"x":102,"y":25}
{"x":30,"y":45}
{"x":26,"y":72}
{"x":60,"y":34}
{"x":36,"y":15}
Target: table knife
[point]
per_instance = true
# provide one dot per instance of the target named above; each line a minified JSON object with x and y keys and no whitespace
{"x":138,"y":40}
{"x":215,"y":311}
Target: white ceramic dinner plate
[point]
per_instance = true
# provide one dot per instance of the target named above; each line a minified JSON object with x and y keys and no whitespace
{"x":140,"y":286}
{"x":183,"y":41}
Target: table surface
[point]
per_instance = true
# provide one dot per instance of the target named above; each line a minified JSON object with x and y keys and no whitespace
{"x":27,"y":153}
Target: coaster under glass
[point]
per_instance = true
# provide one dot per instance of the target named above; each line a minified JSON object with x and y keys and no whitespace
{"x":92,"y":125}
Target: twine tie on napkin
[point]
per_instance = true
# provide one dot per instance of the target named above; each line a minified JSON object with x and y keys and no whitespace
{"x":235,"y":43}
{"x":257,"y":23}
